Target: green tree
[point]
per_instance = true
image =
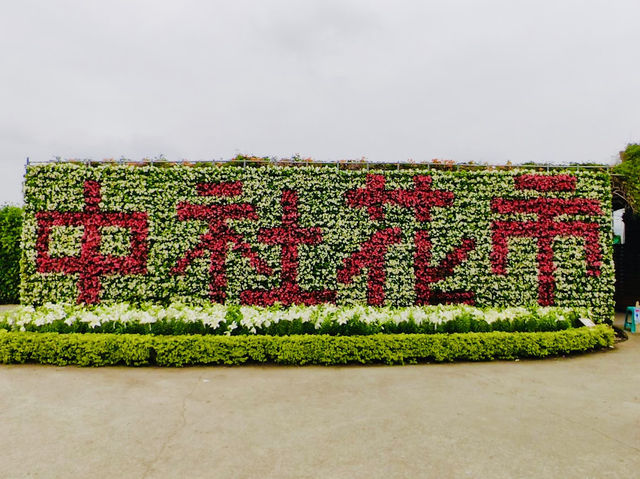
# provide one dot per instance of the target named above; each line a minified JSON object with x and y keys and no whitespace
{"x":629,"y":180}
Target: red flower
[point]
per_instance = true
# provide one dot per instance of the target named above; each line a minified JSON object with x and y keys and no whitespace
{"x":91,"y":265}
{"x":289,"y":236}
{"x":546,"y":228}
{"x":220,"y":236}
{"x":372,"y":253}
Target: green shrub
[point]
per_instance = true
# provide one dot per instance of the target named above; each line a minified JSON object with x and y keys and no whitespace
{"x":629,"y":173}
{"x":10,"y":232}
{"x":137,"y":350}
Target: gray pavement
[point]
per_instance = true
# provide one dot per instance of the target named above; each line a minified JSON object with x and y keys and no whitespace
{"x":575,"y":417}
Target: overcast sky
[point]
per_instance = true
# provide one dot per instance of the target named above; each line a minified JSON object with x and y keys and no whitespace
{"x":494,"y":81}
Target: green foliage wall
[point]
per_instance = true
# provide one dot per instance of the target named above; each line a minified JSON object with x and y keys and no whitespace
{"x":10,"y":232}
{"x":393,"y":237}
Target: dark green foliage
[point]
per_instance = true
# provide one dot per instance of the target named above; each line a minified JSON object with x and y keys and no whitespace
{"x":10,"y":232}
{"x":629,"y":179}
{"x":137,"y":350}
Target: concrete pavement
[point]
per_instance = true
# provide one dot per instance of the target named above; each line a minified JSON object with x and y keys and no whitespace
{"x":573,"y":417}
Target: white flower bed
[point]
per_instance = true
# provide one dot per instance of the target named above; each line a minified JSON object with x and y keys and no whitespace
{"x":180,"y":318}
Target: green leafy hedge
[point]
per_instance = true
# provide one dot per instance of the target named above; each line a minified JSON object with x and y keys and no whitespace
{"x":138,"y":350}
{"x":382,"y":237}
{"x":10,"y":232}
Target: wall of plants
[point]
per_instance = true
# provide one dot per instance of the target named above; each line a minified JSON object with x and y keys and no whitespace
{"x":316,"y":234}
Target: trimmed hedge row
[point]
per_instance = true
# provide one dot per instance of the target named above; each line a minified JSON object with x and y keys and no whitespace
{"x":138,"y":350}
{"x":10,"y":232}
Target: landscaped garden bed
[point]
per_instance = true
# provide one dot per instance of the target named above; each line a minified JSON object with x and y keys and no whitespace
{"x":218,"y":319}
{"x":180,"y":335}
{"x":299,"y":264}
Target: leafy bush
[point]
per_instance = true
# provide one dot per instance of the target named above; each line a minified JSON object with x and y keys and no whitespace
{"x":217,"y":319}
{"x":137,"y":350}
{"x":10,"y":232}
{"x":629,"y":171}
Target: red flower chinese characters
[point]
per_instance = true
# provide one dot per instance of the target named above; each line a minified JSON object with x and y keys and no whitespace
{"x":303,"y":235}
{"x":289,"y":235}
{"x":92,"y":265}
{"x":372,"y":253}
{"x":546,"y":228}
{"x":220,"y":236}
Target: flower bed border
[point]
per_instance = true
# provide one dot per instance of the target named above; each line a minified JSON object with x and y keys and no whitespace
{"x":140,"y":350}
{"x":179,"y":319}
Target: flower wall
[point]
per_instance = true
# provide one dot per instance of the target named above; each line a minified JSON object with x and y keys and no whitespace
{"x":311,"y":235}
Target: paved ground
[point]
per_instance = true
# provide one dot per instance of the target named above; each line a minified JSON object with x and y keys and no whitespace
{"x":560,"y":418}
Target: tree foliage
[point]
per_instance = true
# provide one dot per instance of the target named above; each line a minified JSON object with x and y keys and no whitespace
{"x":627,"y":179}
{"x":10,"y":232}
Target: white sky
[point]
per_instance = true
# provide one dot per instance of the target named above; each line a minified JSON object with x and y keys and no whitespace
{"x":496,"y":81}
